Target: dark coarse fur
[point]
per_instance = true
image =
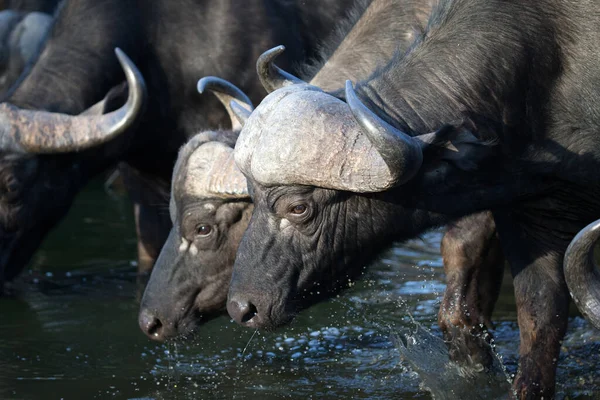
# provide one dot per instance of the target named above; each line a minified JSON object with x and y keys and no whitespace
{"x":524,"y":74}
{"x":386,"y":27}
{"x":328,"y":48}
{"x":174,"y":43}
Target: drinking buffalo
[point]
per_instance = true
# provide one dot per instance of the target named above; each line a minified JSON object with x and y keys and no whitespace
{"x":334,"y":182}
{"x":210,"y":205}
{"x":174,"y":43}
{"x":210,"y":209}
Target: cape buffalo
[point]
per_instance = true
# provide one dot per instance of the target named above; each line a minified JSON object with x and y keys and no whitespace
{"x":174,"y":43}
{"x":492,"y":108}
{"x":210,"y":206}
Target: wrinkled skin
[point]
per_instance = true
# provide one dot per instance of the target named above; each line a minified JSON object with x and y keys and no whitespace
{"x":189,"y":282}
{"x":530,"y":155}
{"x":300,"y":230}
{"x":198,"y":272}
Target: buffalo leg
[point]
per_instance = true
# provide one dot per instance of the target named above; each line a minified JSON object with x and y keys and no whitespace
{"x":474,"y":267}
{"x":542,"y":300}
{"x":152,"y":220}
{"x":152,"y":230}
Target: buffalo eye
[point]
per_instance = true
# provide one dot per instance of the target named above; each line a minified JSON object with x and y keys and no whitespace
{"x":298,"y":209}
{"x":9,"y":189}
{"x":203,"y":230}
{"x":11,"y":185}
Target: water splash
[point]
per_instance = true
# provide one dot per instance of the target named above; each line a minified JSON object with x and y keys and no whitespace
{"x":428,"y":355}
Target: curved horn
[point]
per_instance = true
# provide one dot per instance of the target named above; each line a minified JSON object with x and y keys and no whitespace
{"x":44,"y":132}
{"x":238,"y":105}
{"x":271,"y":76}
{"x":582,"y":274}
{"x":402,"y":153}
{"x":241,"y":113}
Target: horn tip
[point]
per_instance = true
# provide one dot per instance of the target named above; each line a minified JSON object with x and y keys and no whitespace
{"x":273,"y":53}
{"x":210,"y":83}
{"x":201,"y":87}
{"x":121,"y":54}
{"x":124,"y":60}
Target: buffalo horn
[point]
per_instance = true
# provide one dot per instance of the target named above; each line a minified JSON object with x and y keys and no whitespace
{"x":45,"y":132}
{"x":402,"y":153}
{"x":237,"y":104}
{"x":271,"y":76}
{"x":206,"y":168}
{"x":228,"y":180}
{"x":582,"y":274}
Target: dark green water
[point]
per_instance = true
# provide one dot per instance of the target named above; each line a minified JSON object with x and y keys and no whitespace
{"x":72,"y":332}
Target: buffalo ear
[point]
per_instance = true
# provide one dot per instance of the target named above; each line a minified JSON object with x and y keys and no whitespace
{"x":113,"y":100}
{"x":462,"y":145}
{"x":452,"y":153}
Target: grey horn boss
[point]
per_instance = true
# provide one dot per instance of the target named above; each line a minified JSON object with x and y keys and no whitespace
{"x":373,"y":155}
{"x":582,"y":274}
{"x":42,"y":132}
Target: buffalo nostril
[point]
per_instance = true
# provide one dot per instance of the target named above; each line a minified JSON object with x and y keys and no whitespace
{"x":242,"y":311}
{"x":151,"y":325}
{"x":155,"y":327}
{"x":249,"y":312}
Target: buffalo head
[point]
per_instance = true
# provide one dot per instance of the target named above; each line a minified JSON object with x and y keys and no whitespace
{"x":325,"y":176}
{"x":210,"y":209}
{"x":37,"y":186}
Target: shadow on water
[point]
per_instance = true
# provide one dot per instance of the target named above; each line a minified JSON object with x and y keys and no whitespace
{"x":72,"y":332}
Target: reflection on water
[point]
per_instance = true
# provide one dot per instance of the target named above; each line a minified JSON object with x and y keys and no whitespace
{"x":72,"y":332}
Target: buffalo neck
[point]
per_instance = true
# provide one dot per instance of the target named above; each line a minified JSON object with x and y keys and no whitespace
{"x":473,"y":62}
{"x":383,"y":29}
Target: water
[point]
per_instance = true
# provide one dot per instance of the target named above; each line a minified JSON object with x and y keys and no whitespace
{"x":72,"y":332}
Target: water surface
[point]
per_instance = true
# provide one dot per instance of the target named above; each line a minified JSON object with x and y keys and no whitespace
{"x":72,"y":333}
